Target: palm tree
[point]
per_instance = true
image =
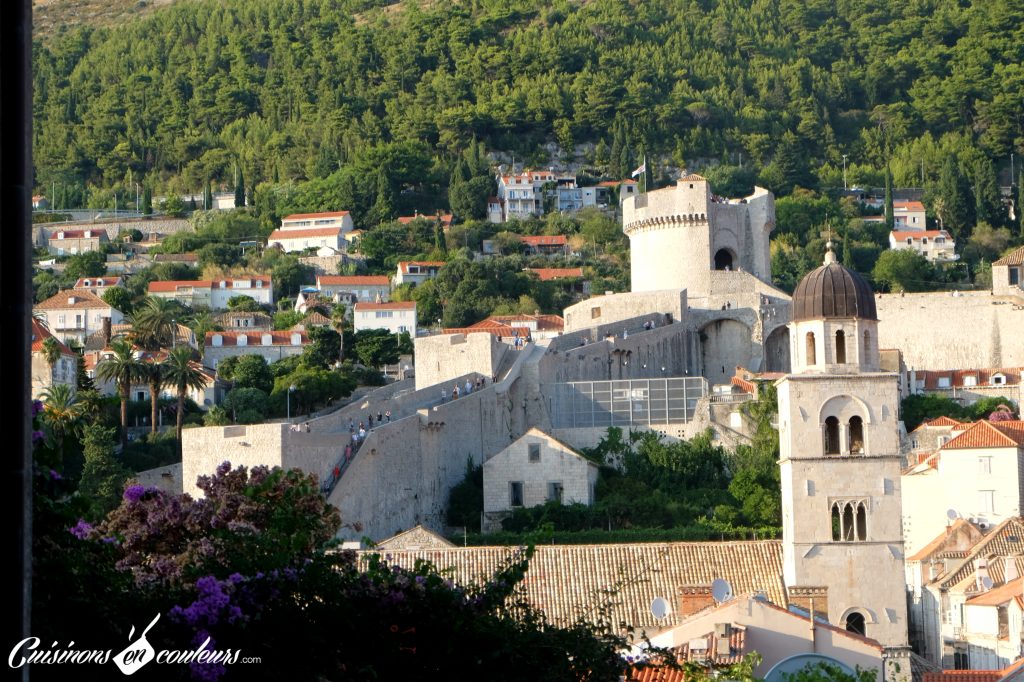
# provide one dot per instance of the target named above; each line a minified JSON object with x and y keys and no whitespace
{"x":51,"y":353}
{"x":124,"y":369}
{"x":338,"y":322}
{"x":181,"y":372}
{"x":153,"y":325}
{"x":62,"y":413}
{"x":153,"y":372}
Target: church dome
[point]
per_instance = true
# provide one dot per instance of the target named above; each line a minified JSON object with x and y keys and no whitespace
{"x":833,"y":291}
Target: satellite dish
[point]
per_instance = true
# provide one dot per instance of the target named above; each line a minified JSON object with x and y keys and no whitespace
{"x":952,"y":515}
{"x":721,"y":590}
{"x":660,"y":608}
{"x":986,"y":582}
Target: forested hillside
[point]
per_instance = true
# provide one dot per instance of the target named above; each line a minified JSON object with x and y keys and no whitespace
{"x":378,"y":102}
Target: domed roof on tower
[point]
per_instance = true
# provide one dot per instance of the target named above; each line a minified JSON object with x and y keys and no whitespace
{"x":833,"y":291}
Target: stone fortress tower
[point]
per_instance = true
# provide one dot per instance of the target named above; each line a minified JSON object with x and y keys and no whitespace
{"x":839,"y":458}
{"x":679,"y":235}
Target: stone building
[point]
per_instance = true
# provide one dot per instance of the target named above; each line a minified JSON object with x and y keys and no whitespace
{"x":269,"y":345}
{"x":73,"y":315}
{"x":44,"y":375}
{"x":535,"y":469}
{"x":839,"y":453}
{"x":1008,"y":274}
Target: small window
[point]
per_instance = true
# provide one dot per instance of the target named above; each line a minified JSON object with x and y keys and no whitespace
{"x":555,"y":491}
{"x":986,"y":501}
{"x":856,"y":435}
{"x":970,"y":380}
{"x":984,"y":465}
{"x":944,"y":382}
{"x":595,"y":312}
{"x":855,"y":623}
{"x":812,"y":355}
{"x":1014,"y":276}
{"x":515,"y":493}
{"x":998,"y":380}
{"x":832,"y":436}
{"x":534,"y":452}
{"x":840,"y":347}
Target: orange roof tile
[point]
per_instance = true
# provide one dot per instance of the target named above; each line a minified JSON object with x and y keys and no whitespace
{"x":404,"y":265}
{"x":255,"y":338}
{"x":353,"y":280}
{"x":394,"y":305}
{"x":999,"y":595}
{"x":444,"y":218}
{"x":907,"y":206}
{"x":83,"y":299}
{"x":917,"y":234}
{"x":307,"y":216}
{"x":548,"y":274}
{"x":986,"y":434}
{"x":97,"y":282}
{"x":165,"y":286}
{"x":98,"y":233}
{"x":963,"y":676}
{"x":939,"y":541}
{"x":1015,"y":257}
{"x":40,"y":333}
{"x":278,"y":235}
{"x":943,"y":421}
{"x":544,"y":240}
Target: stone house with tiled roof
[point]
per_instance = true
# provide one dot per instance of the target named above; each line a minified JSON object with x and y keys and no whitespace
{"x":97,"y":285}
{"x":534,"y":469}
{"x":572,"y":581}
{"x":417,"y":272}
{"x":969,"y":385}
{"x":270,"y":345}
{"x":1008,"y":274}
{"x":72,"y":315}
{"x":44,"y":376}
{"x":70,"y":242}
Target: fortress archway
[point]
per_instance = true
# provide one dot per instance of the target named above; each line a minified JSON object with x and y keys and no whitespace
{"x":725,"y":259}
{"x":776,"y":351}
{"x":724,"y":344}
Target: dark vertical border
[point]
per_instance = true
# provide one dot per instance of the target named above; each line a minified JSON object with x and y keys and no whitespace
{"x":15,"y":309}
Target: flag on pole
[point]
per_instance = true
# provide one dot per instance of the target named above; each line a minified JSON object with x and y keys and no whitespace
{"x":641,"y":170}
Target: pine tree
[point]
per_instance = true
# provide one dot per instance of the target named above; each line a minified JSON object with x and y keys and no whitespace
{"x":890,"y":220}
{"x":439,"y":240}
{"x":955,"y":208}
{"x":987,"y":202}
{"x":240,"y":189}
{"x":384,"y":204}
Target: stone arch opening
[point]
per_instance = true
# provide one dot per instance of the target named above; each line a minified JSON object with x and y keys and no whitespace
{"x":831,"y":436}
{"x":725,"y":259}
{"x":840,"y":347}
{"x":856,"y":624}
{"x":776,"y":351}
{"x":812,"y":352}
{"x":856,"y":435}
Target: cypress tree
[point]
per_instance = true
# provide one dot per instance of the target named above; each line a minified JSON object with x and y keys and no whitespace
{"x":147,"y":201}
{"x":847,"y":253}
{"x":240,"y":189}
{"x":208,"y":196}
{"x":890,"y":220}
{"x":1020,"y":201}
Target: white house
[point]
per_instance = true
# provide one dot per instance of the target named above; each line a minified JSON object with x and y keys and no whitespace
{"x":522,"y":194}
{"x":906,"y":216}
{"x":535,"y":469}
{"x":301,"y":239}
{"x":318,"y":221}
{"x":97,"y":285}
{"x":396,"y":317}
{"x":417,"y":272}
{"x":74,"y":315}
{"x":258,"y":287}
{"x":45,"y":375}
{"x":366,"y":288}
{"x":935,"y":245}
{"x":977,"y":474}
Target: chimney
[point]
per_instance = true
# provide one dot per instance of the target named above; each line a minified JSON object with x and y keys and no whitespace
{"x":723,"y":631}
{"x":694,"y":598}
{"x":106,"y":332}
{"x":810,"y":599}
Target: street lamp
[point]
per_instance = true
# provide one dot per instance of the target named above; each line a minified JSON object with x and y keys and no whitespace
{"x":844,"y":171}
{"x":291,"y":389}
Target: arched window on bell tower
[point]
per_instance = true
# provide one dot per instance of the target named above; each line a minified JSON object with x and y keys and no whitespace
{"x":849,"y":520}
{"x":812,"y":355}
{"x":855,"y":623}
{"x":832,"y":436}
{"x":856,"y":435}
{"x":840,"y":347}
{"x":862,"y":521}
{"x":867,"y":345}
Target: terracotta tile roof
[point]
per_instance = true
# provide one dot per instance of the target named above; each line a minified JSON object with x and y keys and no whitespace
{"x":255,"y":338}
{"x":548,"y":274}
{"x":616,"y":183}
{"x":444,"y":218}
{"x":942,"y":421}
{"x":394,"y":305}
{"x":998,"y":542}
{"x":999,"y":595}
{"x":543,"y":240}
{"x":403,"y":266}
{"x":566,"y":581}
{"x":313,"y":216}
{"x":83,"y":298}
{"x":259,"y":319}
{"x":956,"y":377}
{"x":280,"y":235}
{"x":165,"y":286}
{"x":916,"y":235}
{"x":939,"y":542}
{"x":98,"y":233}
{"x":544,"y":322}
{"x":353,"y":280}
{"x":986,"y":434}
{"x":40,"y":333}
{"x":97,"y":282}
{"x":996,"y":568}
{"x":734,"y":654}
{"x":487,"y":327}
{"x":1012,"y":671}
{"x":229,"y":282}
{"x":1015,"y":257}
{"x":316,"y":318}
{"x":963,"y":676}
{"x":176,"y":258}
{"x":693,"y":177}
{"x":907,"y":206}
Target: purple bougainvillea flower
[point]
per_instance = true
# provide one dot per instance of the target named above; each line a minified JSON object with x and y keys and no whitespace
{"x":134,"y":493}
{"x":81,"y":529}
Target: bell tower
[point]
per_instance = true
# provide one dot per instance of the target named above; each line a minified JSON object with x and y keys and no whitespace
{"x":839,"y":458}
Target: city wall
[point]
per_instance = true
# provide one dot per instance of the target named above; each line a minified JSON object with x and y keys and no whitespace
{"x":442,"y":358}
{"x":603,"y":312}
{"x":943,"y":331}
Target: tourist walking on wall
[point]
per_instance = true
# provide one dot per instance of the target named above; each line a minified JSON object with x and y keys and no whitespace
{"x":469,"y":387}
{"x":388,"y":415}
{"x":455,"y":392}
{"x":444,"y":395}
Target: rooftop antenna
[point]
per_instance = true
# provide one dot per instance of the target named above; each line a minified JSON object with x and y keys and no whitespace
{"x":952,"y":515}
{"x":721,"y":590}
{"x":660,"y":608}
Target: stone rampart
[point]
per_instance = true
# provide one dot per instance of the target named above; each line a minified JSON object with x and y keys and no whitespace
{"x":603,"y":312}
{"x":442,"y":358}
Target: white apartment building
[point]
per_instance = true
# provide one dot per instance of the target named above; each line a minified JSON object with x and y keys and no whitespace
{"x":396,"y":317}
{"x":935,"y":245}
